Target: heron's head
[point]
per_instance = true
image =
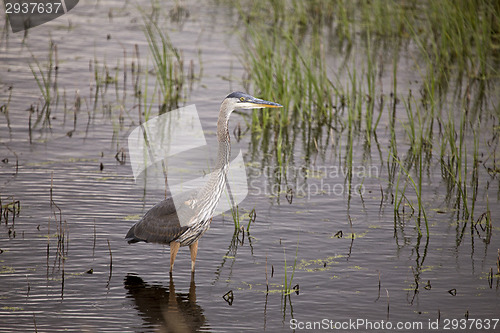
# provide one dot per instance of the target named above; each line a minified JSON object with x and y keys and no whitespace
{"x":241,"y":101}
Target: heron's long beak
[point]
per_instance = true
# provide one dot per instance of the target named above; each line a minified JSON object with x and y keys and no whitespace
{"x":257,"y":103}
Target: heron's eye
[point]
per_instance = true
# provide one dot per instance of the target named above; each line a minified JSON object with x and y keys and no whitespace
{"x":242,"y":99}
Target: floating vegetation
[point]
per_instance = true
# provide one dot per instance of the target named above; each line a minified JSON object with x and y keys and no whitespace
{"x":133,"y":217}
{"x":316,"y":265}
{"x":7,"y":270}
{"x":12,"y":308}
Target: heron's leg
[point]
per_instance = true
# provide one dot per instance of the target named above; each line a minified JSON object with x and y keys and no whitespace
{"x":174,"y":248}
{"x":194,"y":250}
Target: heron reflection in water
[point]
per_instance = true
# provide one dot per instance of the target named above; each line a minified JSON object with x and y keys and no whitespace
{"x":161,"y":224}
{"x":165,"y":309}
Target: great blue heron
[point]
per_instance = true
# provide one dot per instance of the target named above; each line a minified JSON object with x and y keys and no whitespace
{"x":161,"y":224}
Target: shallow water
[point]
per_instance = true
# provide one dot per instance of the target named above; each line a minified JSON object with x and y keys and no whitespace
{"x":378,"y":270}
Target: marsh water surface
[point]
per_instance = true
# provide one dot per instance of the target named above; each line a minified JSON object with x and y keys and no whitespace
{"x":338,"y":244}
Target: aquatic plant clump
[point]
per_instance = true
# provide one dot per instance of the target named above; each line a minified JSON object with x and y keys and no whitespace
{"x":456,"y":73}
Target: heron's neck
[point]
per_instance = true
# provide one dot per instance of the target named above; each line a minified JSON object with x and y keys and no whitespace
{"x":216,"y":184}
{"x":224,"y":149}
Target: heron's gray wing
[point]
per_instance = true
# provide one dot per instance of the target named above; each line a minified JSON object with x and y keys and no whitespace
{"x":159,"y":225}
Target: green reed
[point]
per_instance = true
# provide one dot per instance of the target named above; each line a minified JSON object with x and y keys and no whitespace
{"x":287,"y":53}
{"x":235,"y":214}
{"x":168,"y":63}
{"x":147,"y":99}
{"x":239,"y":216}
{"x":417,"y":187}
{"x":455,"y":166}
{"x":279,"y":69}
{"x":287,"y":281}
{"x":46,"y":78}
